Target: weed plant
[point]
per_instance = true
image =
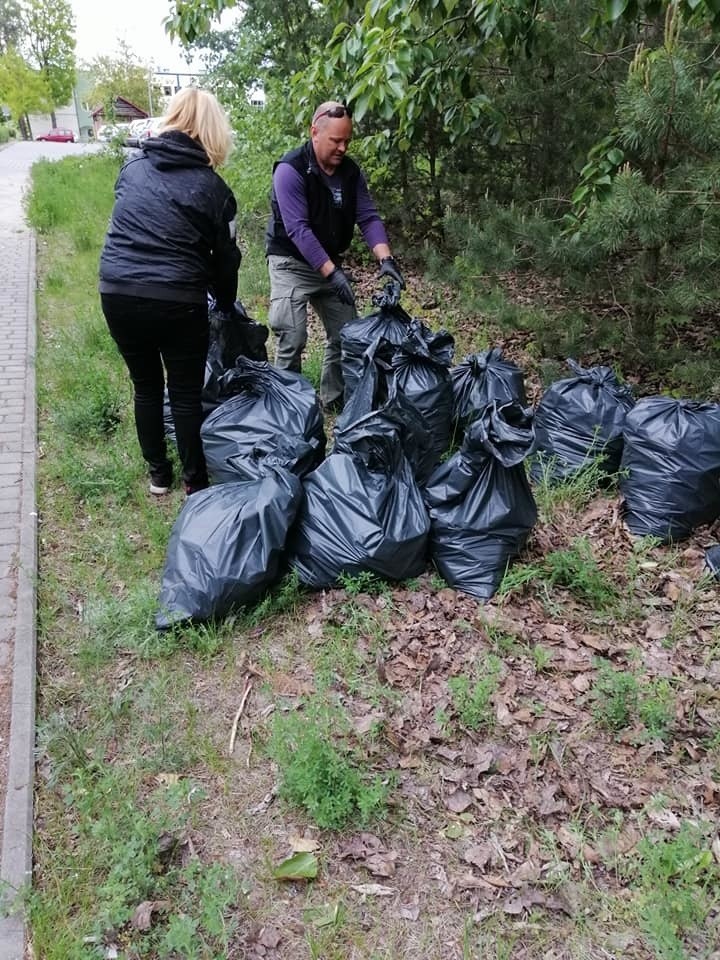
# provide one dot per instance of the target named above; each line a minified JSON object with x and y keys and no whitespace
{"x":621,"y":698}
{"x":121,"y":853}
{"x":572,"y":493}
{"x":471,"y":696}
{"x":677,"y":880}
{"x":574,"y":568}
{"x":577,"y":570}
{"x":320,"y":772}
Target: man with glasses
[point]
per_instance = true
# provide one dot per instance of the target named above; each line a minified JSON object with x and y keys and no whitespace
{"x":318,"y":196}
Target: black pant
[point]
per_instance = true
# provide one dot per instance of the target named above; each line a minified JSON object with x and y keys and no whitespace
{"x":150,"y":333}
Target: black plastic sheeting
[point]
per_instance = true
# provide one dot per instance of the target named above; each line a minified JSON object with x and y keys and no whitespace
{"x":481,"y":378}
{"x":670,"y":472}
{"x":481,"y":507}
{"x":362,"y":510}
{"x":266,"y":407}
{"x":578,"y":420}
{"x":226,"y":547}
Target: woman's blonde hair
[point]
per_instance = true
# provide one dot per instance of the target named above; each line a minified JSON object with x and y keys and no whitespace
{"x":198,"y":114}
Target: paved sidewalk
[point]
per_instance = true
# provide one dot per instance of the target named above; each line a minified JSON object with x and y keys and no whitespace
{"x":18,"y":521}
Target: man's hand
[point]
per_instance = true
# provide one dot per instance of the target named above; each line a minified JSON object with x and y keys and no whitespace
{"x":389,"y":268}
{"x":341,"y":286}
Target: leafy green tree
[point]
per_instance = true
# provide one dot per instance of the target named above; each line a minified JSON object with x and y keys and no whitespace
{"x":121,"y":75}
{"x":22,"y":89}
{"x":10,"y":24}
{"x":49,"y":40}
{"x":648,"y":199}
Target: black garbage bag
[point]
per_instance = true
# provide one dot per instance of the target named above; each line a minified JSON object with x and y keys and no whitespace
{"x":712,"y":560}
{"x":388,"y":322}
{"x":421,"y":366}
{"x":377,"y":393}
{"x":362,"y":510}
{"x":235,"y":334}
{"x":579,"y":420}
{"x":482,"y":378}
{"x":226,"y":547}
{"x":265,"y":406}
{"x":480,"y":503}
{"x":670,"y":472}
{"x":231,"y":335}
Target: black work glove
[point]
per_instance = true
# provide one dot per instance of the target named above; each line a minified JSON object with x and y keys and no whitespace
{"x":341,"y":286}
{"x":389,"y":268}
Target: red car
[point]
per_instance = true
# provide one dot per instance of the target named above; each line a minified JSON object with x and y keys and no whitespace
{"x":58,"y":135}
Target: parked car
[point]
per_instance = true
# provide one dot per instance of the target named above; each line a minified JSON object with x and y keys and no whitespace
{"x":58,"y":135}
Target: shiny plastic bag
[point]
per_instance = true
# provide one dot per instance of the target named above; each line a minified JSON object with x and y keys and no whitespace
{"x":482,"y":378}
{"x":670,"y":471}
{"x":580,"y":420}
{"x":362,"y":509}
{"x":390,"y":323}
{"x":265,"y":407}
{"x":480,"y":503}
{"x":226,"y":547}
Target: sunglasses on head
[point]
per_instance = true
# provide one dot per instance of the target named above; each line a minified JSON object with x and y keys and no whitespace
{"x":334,"y":112}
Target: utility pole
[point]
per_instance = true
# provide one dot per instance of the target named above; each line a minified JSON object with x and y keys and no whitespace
{"x":150,"y":77}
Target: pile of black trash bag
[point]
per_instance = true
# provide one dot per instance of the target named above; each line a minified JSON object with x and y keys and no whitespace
{"x":382,"y":501}
{"x":665,"y":452}
{"x":227,"y":545}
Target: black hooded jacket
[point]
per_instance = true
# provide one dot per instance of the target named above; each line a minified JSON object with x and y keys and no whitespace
{"x":172,"y":230}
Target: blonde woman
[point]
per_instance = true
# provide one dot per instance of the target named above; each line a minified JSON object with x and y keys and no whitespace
{"x":171,"y":240}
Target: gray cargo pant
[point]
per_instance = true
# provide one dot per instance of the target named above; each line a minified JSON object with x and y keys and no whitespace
{"x":292,"y":284}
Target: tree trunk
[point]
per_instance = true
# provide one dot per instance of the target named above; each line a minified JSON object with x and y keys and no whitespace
{"x":53,"y":121}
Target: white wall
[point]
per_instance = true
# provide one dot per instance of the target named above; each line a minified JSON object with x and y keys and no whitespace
{"x":65,"y":116}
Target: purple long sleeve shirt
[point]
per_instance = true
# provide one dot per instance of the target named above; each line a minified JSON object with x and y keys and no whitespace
{"x":291,"y":199}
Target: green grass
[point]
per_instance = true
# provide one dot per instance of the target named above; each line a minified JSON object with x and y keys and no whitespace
{"x":622,"y":698}
{"x":574,"y":569}
{"x":676,"y":887}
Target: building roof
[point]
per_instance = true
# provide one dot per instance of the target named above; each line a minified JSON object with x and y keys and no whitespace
{"x":122,"y":107}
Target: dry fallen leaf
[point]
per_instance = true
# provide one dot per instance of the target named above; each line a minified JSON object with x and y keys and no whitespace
{"x":478,"y":855}
{"x":142,"y":918}
{"x":304,"y":844}
{"x":382,"y":864}
{"x":458,"y":801}
{"x":526,"y":899}
{"x":372,"y":889}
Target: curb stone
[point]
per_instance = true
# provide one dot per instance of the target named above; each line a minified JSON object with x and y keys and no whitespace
{"x":16,"y":863}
